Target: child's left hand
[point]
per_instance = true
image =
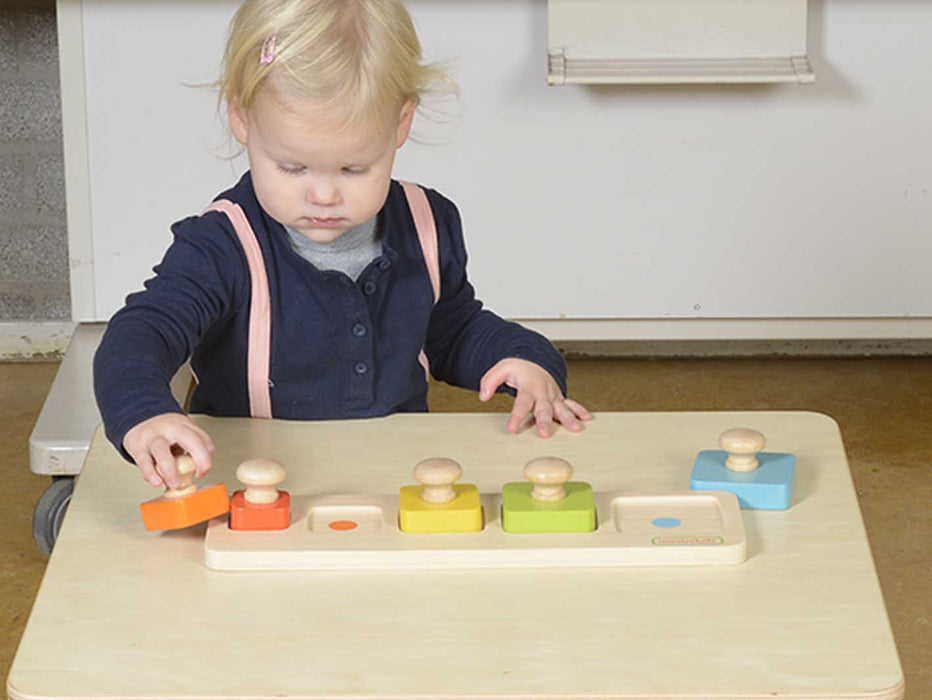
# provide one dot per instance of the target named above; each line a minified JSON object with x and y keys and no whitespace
{"x":538,"y":394}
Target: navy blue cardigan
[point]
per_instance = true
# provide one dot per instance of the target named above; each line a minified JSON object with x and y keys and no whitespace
{"x":340,"y":348}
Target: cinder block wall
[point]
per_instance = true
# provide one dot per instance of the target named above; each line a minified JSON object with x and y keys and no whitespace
{"x":33,"y":233}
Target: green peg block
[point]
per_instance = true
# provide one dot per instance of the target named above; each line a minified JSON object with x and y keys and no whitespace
{"x":574,"y":513}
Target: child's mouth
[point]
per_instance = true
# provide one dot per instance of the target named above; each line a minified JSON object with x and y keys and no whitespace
{"x":321,"y":222}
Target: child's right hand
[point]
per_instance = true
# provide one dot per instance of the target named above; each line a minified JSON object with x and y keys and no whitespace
{"x":151,"y":444}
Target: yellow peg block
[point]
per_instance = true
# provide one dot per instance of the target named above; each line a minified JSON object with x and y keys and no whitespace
{"x":438,"y":504}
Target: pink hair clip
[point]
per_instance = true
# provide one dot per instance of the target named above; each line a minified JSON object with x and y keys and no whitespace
{"x":267,"y":55}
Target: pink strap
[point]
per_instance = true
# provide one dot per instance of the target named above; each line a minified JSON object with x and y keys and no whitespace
{"x":260,"y":316}
{"x":426,"y":232}
{"x":427,"y":235}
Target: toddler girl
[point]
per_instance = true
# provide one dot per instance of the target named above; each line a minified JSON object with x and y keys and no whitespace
{"x":316,"y":287}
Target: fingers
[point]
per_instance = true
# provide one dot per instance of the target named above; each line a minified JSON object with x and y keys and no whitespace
{"x":543,"y":416}
{"x":147,"y":468}
{"x":519,"y":411}
{"x":564,"y":415}
{"x":546,"y":412}
{"x":491,"y":380}
{"x":155,"y":443}
{"x":189,"y":442}
{"x":578,"y":409}
{"x":197,"y":443}
{"x":161,"y":451}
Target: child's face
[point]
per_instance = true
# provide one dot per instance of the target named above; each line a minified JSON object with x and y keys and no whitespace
{"x":312,"y":176}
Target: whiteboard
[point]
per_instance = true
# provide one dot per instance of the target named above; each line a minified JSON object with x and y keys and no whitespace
{"x":671,"y":205}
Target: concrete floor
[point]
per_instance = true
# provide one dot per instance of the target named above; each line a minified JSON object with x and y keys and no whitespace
{"x":883,"y":405}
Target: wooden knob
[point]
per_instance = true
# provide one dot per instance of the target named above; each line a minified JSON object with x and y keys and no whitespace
{"x":437,"y":475}
{"x":742,"y":446}
{"x":185,"y":466}
{"x":261,"y":477}
{"x":548,"y":474}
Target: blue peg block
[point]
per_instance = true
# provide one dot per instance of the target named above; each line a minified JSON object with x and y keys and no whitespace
{"x":769,"y":487}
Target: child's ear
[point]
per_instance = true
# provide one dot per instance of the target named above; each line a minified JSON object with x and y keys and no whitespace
{"x":405,"y":118}
{"x":238,"y":121}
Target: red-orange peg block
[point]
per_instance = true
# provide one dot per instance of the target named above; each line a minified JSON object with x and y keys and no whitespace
{"x":187,"y":505}
{"x":261,"y":506}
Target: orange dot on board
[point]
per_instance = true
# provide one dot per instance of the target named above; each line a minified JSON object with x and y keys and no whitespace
{"x":343,"y":525}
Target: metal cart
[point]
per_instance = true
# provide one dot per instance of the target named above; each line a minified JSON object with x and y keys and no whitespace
{"x":62,"y":434}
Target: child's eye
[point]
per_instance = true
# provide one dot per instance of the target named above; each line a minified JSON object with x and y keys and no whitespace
{"x":291,"y":169}
{"x":356,"y":171}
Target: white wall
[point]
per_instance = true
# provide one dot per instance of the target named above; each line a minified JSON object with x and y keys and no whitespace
{"x":692,"y":211}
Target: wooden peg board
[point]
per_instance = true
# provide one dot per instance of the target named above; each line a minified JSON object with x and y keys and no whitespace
{"x":361,"y":532}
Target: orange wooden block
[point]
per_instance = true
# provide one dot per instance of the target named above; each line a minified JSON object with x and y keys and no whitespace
{"x":174,"y":513}
{"x":260,"y":516}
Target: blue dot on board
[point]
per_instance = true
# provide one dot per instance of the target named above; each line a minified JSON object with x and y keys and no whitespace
{"x":666,"y":522}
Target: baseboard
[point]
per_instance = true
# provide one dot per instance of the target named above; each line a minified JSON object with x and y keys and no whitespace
{"x":804,"y":330}
{"x":25,"y":341}
{"x":854,"y":347}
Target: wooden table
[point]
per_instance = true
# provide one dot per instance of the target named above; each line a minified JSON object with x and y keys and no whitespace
{"x":125,"y":613}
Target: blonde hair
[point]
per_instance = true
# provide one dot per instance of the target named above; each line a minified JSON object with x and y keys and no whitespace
{"x":357,"y":59}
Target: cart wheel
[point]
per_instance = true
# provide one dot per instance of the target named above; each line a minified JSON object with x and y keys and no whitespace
{"x":49,"y":512}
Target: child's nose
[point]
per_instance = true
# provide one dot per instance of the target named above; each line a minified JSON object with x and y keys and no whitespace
{"x":323,"y":192}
